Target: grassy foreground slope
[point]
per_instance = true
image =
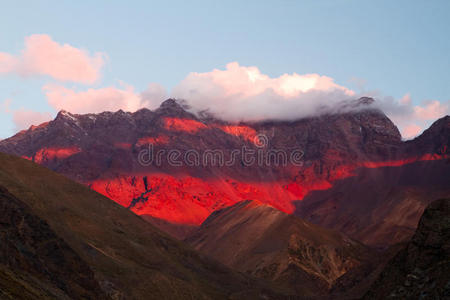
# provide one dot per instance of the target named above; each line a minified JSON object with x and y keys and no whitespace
{"x":130,"y":258}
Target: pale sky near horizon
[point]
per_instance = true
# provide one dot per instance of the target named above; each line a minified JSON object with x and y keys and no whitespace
{"x":80,"y":55}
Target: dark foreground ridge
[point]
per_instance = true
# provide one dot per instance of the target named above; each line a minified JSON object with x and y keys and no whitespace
{"x":34,"y":262}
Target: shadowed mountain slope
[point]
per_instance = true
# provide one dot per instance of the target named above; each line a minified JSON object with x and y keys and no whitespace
{"x":34,"y":262}
{"x":379,"y":206}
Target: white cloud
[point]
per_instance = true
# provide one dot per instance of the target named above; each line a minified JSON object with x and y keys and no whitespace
{"x":103,"y":99}
{"x":411,"y":131}
{"x":154,"y":95}
{"x":93,"y":100}
{"x":24,"y":118}
{"x":431,"y":110}
{"x":244,"y":93}
{"x":43,"y":56}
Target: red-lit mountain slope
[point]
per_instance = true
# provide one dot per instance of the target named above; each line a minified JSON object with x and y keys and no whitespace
{"x":258,"y":239}
{"x":103,"y":151}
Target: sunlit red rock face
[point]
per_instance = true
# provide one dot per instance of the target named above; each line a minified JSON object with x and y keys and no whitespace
{"x":108,"y":152}
{"x":187,"y":199}
{"x":48,"y":155}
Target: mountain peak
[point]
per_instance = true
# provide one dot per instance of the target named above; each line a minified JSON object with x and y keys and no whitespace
{"x":366,"y":100}
{"x":360,"y":103}
{"x":353,"y":105}
{"x":174,"y":107}
{"x":63,"y":114}
{"x":436,"y":138}
{"x":442,"y":122}
{"x":169,"y":103}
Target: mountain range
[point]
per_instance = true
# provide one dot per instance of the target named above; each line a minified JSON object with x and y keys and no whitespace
{"x":317,"y":208}
{"x":103,"y":151}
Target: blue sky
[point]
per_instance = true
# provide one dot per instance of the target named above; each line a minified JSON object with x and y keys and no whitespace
{"x":393,"y":47}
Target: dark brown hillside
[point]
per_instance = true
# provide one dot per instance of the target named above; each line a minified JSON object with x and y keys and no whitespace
{"x":34,"y":262}
{"x":257,"y":239}
{"x":379,"y":206}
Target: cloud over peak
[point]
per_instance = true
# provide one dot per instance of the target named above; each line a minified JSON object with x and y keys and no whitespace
{"x":244,"y":93}
{"x":241,"y":93}
{"x":44,"y":57}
